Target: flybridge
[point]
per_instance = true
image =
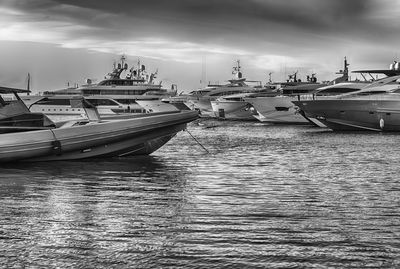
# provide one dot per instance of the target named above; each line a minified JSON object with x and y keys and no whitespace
{"x":387,"y":72}
{"x":394,"y":70}
{"x":138,"y":74}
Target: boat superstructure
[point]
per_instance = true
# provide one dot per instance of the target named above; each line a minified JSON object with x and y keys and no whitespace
{"x":201,"y":99}
{"x":137,"y":84}
{"x":118,"y":92}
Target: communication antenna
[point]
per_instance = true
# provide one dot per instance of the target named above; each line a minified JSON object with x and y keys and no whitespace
{"x":28,"y":84}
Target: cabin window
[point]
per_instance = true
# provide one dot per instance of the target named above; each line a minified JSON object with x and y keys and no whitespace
{"x":335,"y":91}
{"x":295,"y":92}
{"x":281,"y":108}
{"x":51,"y":101}
{"x":102,"y":102}
{"x":371,"y":92}
{"x":126,"y":101}
{"x":117,"y":92}
{"x":223,"y":93}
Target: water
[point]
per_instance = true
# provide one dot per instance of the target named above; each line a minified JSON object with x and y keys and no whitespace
{"x":265,"y":197}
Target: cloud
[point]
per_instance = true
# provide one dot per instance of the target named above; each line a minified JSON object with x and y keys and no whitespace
{"x":266,"y":34}
{"x":246,"y":25}
{"x":202,"y":17}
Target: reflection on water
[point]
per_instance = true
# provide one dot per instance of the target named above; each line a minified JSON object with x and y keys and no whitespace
{"x":266,"y":197}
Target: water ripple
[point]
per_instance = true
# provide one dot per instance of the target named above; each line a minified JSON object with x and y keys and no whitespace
{"x":265,"y":197}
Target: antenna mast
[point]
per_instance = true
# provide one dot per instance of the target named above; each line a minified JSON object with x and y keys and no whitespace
{"x":28,"y":86}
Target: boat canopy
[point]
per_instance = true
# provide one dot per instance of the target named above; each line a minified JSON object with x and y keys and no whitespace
{"x":375,"y":87}
{"x":387,"y":72}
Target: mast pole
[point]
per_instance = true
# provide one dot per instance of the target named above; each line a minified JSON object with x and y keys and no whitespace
{"x":28,"y":86}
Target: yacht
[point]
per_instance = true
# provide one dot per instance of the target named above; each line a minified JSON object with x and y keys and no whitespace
{"x":29,"y":136}
{"x":278,"y":108}
{"x":373,"y":106}
{"x":329,"y":92}
{"x":201,"y":99}
{"x":182,"y":100}
{"x":117,"y":93}
{"x":235,"y":107}
{"x":340,"y":89}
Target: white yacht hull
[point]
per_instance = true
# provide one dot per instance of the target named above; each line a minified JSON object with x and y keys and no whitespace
{"x":203,"y":105}
{"x":355,"y":114}
{"x":276,"y":109}
{"x":233,"y":110}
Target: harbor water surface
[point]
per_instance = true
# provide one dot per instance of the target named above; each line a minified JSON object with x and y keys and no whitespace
{"x":265,"y":196}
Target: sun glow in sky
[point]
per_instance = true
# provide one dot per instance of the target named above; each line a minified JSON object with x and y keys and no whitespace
{"x":60,"y":41}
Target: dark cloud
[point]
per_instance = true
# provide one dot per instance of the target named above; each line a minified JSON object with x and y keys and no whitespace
{"x":304,"y":31}
{"x":304,"y":13}
{"x":201,"y":17}
{"x":264,"y":23}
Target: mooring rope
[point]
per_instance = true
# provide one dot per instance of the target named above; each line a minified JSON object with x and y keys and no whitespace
{"x":197,"y":141}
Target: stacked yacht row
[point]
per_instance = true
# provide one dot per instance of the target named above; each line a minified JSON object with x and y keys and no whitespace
{"x":372,"y":103}
{"x":239,"y":100}
{"x":131,"y":114}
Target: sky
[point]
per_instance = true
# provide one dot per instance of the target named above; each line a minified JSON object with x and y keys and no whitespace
{"x":191,"y":42}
